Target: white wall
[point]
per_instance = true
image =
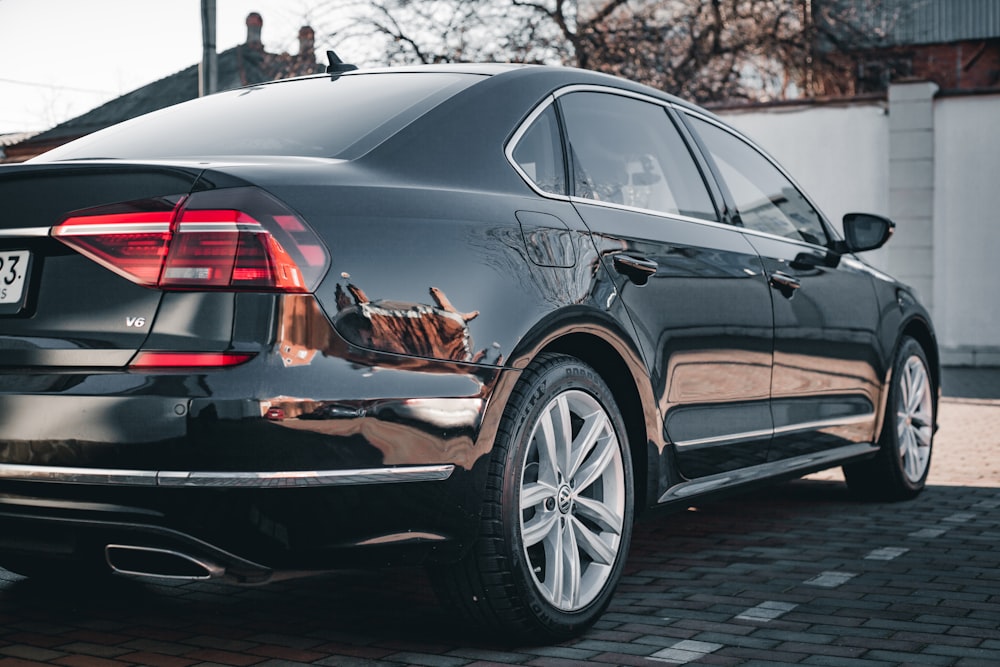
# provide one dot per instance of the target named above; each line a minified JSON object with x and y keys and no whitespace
{"x":839,"y":154}
{"x":967,"y":224}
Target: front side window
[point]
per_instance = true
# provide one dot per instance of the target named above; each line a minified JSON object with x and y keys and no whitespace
{"x":766,"y":200}
{"x":626,"y":151}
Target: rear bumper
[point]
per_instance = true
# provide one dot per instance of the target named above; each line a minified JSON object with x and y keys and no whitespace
{"x":70,"y":517}
{"x":260,"y":525}
{"x":340,"y":457}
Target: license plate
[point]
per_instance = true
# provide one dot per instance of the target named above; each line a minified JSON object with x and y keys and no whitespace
{"x":13,"y":275}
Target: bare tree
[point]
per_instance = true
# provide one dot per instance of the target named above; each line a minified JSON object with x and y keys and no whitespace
{"x":394,"y":32}
{"x":705,"y":50}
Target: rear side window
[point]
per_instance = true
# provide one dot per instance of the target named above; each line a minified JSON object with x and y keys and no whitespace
{"x":626,"y":151}
{"x":539,"y":154}
{"x":318,"y":117}
{"x":766,"y":200}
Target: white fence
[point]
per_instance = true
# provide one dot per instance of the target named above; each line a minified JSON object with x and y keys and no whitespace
{"x":932,"y":164}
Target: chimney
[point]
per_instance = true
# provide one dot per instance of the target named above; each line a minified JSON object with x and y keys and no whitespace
{"x":307,"y":40}
{"x":254,"y":24}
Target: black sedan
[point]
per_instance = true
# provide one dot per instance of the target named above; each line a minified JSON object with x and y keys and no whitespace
{"x":475,"y":317}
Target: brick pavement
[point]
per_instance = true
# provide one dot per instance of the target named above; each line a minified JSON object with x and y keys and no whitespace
{"x":800,"y":573}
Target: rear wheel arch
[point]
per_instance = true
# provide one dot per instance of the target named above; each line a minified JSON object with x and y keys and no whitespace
{"x":604,"y":358}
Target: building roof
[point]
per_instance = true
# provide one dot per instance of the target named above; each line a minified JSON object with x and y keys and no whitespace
{"x":913,"y":22}
{"x":937,"y":21}
{"x":9,"y":138}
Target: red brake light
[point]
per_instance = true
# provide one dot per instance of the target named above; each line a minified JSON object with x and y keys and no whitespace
{"x":235,"y":239}
{"x":188,"y":359}
{"x":130,"y":239}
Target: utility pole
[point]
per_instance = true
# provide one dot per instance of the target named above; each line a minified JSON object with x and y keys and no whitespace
{"x":810,"y":38}
{"x":208,"y":72}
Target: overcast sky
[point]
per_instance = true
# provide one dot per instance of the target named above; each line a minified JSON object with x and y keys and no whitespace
{"x":61,"y":58}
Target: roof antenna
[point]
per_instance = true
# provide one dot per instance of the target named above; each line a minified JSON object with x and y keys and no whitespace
{"x":337,"y":66}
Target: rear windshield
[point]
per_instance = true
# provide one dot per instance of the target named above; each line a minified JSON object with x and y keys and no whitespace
{"x":341,"y":117}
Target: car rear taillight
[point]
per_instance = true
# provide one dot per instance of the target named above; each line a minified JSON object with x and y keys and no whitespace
{"x":233,"y":239}
{"x":189,"y":359}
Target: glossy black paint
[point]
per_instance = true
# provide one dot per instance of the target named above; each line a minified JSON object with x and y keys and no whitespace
{"x":449,"y":273}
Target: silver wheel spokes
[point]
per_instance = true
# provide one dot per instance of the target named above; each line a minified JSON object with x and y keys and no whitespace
{"x":572,"y":500}
{"x":914,"y":419}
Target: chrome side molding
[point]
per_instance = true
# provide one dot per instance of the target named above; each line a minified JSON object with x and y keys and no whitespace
{"x":250,"y":479}
{"x":735,"y":438}
{"x":799,"y":464}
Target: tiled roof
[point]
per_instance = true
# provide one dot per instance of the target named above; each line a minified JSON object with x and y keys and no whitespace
{"x":10,"y":138}
{"x":238,"y":66}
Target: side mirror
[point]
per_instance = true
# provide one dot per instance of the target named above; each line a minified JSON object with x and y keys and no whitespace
{"x":866,"y":231}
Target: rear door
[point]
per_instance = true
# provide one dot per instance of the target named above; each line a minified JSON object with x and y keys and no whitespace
{"x":826,"y":371}
{"x":694,"y":287}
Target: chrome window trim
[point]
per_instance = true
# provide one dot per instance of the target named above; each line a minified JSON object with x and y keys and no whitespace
{"x":260,"y":479}
{"x":515,"y":138}
{"x":787,"y":239}
{"x":649,"y":211}
{"x":781,"y":430}
{"x":548,"y":101}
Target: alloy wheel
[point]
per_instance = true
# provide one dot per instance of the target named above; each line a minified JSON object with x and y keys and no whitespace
{"x":914,"y":419}
{"x":572,"y":500}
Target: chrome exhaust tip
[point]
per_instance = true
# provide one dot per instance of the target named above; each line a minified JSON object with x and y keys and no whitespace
{"x":137,"y":561}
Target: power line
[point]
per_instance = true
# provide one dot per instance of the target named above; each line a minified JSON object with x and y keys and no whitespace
{"x":55,"y":87}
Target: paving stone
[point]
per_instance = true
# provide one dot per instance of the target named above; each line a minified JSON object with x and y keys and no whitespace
{"x":31,"y":653}
{"x":428,"y":660}
{"x":685,"y":651}
{"x":89,"y":661}
{"x":350,"y":661}
{"x":155,"y":659}
{"x":839,"y":661}
{"x":899,"y":657}
{"x":488,"y":655}
{"x":561,"y":652}
{"x":93,"y":649}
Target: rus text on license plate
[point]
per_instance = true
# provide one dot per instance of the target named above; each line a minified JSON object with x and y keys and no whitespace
{"x":13,"y":271}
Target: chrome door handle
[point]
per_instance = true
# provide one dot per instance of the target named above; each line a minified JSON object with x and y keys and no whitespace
{"x":637,"y":269}
{"x":784,"y":282}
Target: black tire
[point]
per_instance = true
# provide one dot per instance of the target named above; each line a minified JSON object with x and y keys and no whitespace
{"x":899,"y":470}
{"x":538,"y":518}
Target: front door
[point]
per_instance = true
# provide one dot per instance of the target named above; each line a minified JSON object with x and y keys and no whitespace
{"x":825,"y":385}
